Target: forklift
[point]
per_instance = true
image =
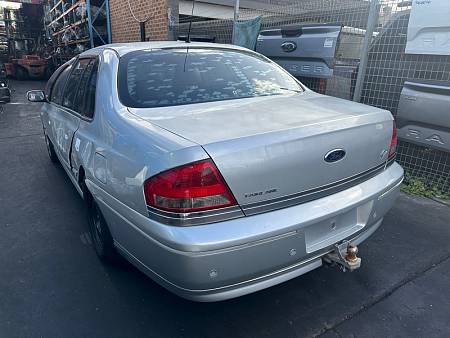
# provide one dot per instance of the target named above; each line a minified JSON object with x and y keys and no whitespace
{"x":28,"y":67}
{"x":23,"y":39}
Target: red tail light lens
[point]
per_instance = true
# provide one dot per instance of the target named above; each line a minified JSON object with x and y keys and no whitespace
{"x":193,"y":187}
{"x":393,"y":146}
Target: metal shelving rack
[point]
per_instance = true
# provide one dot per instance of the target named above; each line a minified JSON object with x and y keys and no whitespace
{"x":16,"y":33}
{"x":73,"y":26}
{"x":4,"y":38}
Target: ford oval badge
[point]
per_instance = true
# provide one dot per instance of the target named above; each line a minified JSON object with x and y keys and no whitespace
{"x":288,"y":46}
{"x":334,"y":155}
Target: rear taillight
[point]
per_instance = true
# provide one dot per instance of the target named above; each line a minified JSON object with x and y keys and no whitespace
{"x":393,"y":146}
{"x":192,"y":187}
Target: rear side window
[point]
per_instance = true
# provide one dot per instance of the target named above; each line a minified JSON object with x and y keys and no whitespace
{"x":89,"y":97}
{"x":58,"y":88}
{"x":182,"y":76}
{"x":80,"y":98}
{"x":70,"y":92}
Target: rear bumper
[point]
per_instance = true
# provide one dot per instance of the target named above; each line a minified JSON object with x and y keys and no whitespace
{"x":228,"y":259}
{"x":246,"y":286}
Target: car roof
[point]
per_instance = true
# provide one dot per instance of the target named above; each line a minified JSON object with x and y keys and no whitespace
{"x":124,"y":48}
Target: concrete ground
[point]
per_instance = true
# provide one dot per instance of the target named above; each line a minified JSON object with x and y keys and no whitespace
{"x":53,"y":285}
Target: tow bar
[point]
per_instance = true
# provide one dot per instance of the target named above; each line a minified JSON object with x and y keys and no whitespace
{"x":344,"y":255}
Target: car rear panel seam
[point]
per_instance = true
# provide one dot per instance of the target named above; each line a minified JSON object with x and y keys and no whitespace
{"x":192,"y":219}
{"x":200,"y":218}
{"x":313,"y":194}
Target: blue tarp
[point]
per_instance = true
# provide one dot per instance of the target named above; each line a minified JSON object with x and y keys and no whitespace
{"x":246,"y":32}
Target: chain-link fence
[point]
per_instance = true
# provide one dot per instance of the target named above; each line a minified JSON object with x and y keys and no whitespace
{"x":387,"y":67}
{"x":387,"y":70}
{"x":351,"y":14}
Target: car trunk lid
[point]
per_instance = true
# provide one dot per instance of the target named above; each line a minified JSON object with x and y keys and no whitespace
{"x":274,"y":148}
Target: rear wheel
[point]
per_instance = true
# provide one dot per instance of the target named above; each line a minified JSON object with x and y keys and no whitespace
{"x":100,"y":234}
{"x":51,"y":150}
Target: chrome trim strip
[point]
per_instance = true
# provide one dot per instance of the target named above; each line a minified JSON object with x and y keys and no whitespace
{"x":197,"y":214}
{"x":313,"y":194}
{"x":194,"y":218}
{"x":217,"y":215}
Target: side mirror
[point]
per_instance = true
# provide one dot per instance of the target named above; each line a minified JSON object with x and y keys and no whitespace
{"x":36,"y":96}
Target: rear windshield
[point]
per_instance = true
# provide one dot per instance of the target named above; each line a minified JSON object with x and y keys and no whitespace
{"x":175,"y":77}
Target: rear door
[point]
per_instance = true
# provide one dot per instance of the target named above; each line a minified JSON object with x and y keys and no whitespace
{"x":86,"y":96}
{"x":67,"y":115}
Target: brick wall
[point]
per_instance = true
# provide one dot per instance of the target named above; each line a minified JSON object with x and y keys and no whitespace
{"x":125,"y":29}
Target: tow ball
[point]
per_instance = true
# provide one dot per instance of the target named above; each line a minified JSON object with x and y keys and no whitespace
{"x":344,"y":255}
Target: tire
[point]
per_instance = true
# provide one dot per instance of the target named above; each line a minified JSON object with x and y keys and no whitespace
{"x":21,"y":74}
{"x":101,"y":236}
{"x":51,"y":150}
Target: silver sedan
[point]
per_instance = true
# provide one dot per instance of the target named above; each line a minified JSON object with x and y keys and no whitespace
{"x":212,"y":169}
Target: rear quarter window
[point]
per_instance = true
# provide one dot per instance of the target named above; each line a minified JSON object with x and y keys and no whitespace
{"x":90,"y":90}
